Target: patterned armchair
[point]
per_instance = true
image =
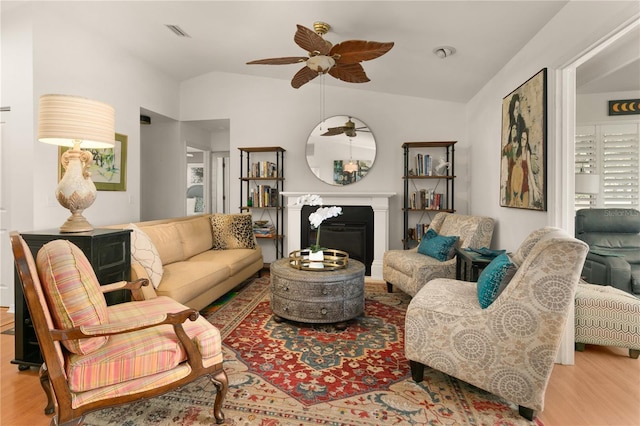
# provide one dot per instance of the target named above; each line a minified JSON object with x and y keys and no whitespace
{"x":96,"y":356}
{"x":510,"y":347}
{"x":410,"y":271}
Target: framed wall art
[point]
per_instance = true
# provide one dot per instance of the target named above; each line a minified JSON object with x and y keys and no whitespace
{"x":109,"y":168}
{"x":195,"y":173}
{"x":523,"y":160}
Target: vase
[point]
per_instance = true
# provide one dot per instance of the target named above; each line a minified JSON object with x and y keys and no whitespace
{"x":316,"y":259}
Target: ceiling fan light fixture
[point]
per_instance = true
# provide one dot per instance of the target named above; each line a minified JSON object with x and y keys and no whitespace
{"x":321,"y":63}
{"x":444,"y":52}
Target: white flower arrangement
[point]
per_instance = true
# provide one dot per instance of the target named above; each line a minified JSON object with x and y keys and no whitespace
{"x":316,"y":218}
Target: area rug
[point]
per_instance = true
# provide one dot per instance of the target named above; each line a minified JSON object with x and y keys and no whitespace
{"x":289,"y":373}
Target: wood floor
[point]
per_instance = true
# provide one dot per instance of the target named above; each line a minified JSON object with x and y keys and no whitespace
{"x":602,"y":388}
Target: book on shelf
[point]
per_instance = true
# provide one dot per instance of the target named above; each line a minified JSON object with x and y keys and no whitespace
{"x":423,"y":165}
{"x":425,"y":200}
{"x":263,"y":169}
{"x":264,"y":196}
{"x":420,"y":229}
{"x":264,"y":231}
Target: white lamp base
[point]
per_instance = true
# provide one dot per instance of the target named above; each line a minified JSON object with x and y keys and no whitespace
{"x":76,"y":191}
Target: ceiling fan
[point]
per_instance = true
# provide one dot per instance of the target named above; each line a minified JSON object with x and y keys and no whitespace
{"x":341,"y":61}
{"x":349,"y":129}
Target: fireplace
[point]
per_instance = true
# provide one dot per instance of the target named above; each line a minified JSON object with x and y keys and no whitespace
{"x":352,"y":232}
{"x":377,"y":201}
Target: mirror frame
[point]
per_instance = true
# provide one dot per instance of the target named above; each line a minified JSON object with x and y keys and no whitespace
{"x":341,"y":160}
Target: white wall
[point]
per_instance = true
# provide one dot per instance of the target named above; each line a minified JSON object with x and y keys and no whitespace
{"x":573,"y":30}
{"x":17,"y":151}
{"x":268,"y":112}
{"x":593,"y":108}
{"x":40,"y":55}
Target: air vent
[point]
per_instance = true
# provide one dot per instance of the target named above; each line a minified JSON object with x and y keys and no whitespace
{"x":177,"y":30}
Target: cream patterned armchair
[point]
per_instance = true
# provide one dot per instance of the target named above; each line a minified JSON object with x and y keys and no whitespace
{"x":410,"y":271}
{"x":97,"y":356}
{"x":510,"y":347}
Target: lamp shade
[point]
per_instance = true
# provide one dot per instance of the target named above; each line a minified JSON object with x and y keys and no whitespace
{"x":587,"y":183}
{"x":66,"y":120}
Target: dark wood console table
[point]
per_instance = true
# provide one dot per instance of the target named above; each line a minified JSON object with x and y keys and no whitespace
{"x":470,"y":264}
{"x":108,"y":250}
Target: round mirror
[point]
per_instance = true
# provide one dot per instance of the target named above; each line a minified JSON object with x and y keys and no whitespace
{"x":341,"y":150}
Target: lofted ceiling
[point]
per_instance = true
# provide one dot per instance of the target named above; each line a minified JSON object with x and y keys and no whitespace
{"x":224,"y":35}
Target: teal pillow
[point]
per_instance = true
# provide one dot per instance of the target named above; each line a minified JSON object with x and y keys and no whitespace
{"x":439,"y":247}
{"x":494,"y":279}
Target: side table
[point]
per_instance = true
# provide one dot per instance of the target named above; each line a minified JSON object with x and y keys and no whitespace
{"x":317,"y":296}
{"x":470,"y":264}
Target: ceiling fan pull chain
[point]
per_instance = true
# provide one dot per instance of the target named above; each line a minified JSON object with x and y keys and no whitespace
{"x":322,"y":99}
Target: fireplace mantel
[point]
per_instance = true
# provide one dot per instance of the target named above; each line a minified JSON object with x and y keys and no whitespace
{"x":379,"y":202}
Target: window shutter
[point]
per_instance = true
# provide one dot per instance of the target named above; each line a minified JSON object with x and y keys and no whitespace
{"x":620,"y":165}
{"x":586,"y":156}
{"x":613,"y":152}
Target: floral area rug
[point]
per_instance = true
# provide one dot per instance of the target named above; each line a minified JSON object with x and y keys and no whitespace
{"x":288,"y":373}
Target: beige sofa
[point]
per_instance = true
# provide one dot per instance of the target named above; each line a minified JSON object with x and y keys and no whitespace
{"x":196,"y":267}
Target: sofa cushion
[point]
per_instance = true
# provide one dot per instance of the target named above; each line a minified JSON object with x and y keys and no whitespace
{"x":167,"y":241}
{"x":144,"y":352}
{"x":195,"y":235}
{"x":72,"y":291}
{"x":494,"y":279}
{"x":236,"y":260}
{"x":439,"y":247}
{"x":232,"y":231}
{"x":186,"y":280}
{"x":145,"y":253}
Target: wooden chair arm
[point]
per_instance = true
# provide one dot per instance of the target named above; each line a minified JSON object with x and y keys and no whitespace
{"x":134,"y":286}
{"x":176,"y":319}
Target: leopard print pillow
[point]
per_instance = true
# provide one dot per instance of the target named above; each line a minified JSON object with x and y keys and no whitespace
{"x":232,"y":231}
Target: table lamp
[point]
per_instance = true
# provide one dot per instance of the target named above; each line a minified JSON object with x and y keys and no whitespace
{"x":76,"y":122}
{"x":586,"y":183}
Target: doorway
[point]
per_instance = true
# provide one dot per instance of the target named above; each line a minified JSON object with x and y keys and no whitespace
{"x":564,"y":214}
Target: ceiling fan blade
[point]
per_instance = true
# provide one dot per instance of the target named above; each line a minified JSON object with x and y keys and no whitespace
{"x":354,"y":51}
{"x":351,"y":73}
{"x":310,"y":41}
{"x":303,"y":76}
{"x":333,"y":131}
{"x":279,"y":61}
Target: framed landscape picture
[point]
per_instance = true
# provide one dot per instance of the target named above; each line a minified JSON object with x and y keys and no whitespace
{"x":109,"y":168}
{"x":523,"y":155}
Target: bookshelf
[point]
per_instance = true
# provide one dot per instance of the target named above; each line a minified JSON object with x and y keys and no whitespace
{"x":261,"y":186}
{"x":428,"y":187}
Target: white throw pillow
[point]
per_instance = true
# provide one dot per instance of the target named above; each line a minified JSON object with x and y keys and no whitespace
{"x":145,"y":253}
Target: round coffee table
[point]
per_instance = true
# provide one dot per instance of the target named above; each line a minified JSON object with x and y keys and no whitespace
{"x":317,"y":296}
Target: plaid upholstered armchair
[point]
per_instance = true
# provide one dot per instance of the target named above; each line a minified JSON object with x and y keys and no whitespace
{"x":509,"y":347}
{"x":96,"y":356}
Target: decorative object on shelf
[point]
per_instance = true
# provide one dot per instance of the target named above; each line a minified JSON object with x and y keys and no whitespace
{"x":442,"y":167}
{"x":76,"y":122}
{"x":330,"y":261}
{"x":109,"y":168}
{"x":341,"y":61}
{"x":330,"y":144}
{"x":317,"y":217}
{"x":523,"y":168}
